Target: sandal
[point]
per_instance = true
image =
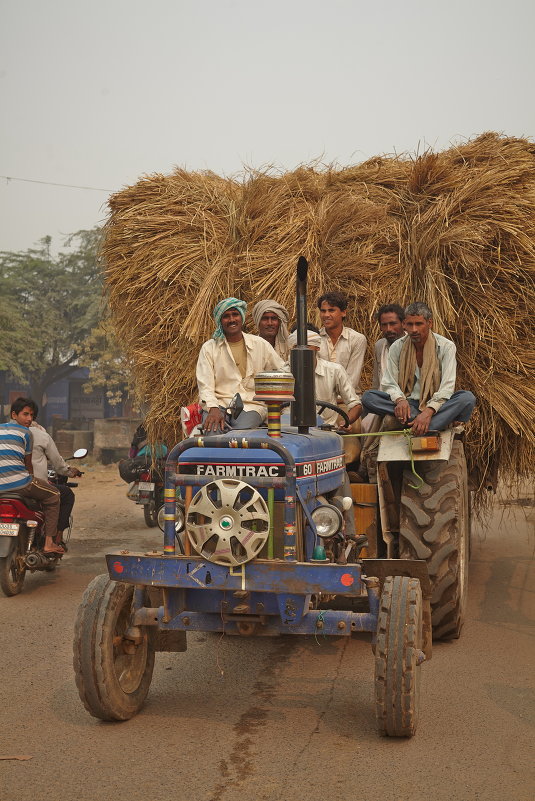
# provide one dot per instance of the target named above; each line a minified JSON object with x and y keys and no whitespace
{"x":57,"y":550}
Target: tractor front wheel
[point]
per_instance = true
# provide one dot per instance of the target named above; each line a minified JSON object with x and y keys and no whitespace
{"x":113,"y":672}
{"x":398,"y":655}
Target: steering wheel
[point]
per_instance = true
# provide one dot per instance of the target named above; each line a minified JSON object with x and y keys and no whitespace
{"x":326,"y":405}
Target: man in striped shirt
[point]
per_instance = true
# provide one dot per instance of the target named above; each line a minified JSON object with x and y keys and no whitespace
{"x":16,"y":470}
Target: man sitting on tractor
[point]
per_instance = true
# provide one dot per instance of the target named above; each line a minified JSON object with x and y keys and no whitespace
{"x":271,"y":321}
{"x":390,"y":318}
{"x":339,"y":343}
{"x":332,"y":382}
{"x":418,"y":386}
{"x":227,"y":365}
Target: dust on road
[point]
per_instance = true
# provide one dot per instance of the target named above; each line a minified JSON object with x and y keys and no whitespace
{"x":262,"y":719}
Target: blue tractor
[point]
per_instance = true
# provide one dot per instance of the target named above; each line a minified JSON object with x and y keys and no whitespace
{"x":263,"y":553}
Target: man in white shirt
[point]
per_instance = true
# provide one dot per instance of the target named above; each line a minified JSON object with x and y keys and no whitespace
{"x":227,"y":364}
{"x":45,"y":452}
{"x":418,"y":386}
{"x":338,"y":343}
{"x":332,"y":382}
{"x":390,"y":318}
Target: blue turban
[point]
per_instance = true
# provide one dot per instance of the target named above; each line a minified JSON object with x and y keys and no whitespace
{"x":222,"y":307}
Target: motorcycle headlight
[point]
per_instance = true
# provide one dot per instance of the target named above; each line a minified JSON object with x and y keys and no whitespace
{"x":328,"y":520}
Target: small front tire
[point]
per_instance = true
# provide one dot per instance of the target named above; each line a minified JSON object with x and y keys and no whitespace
{"x":398,"y":654}
{"x":113,"y":674}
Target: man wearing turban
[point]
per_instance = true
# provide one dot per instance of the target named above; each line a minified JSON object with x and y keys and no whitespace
{"x":227,"y":364}
{"x":271,"y":321}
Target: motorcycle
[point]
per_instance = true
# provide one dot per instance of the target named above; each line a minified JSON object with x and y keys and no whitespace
{"x":147,"y":490}
{"x":22,"y":538}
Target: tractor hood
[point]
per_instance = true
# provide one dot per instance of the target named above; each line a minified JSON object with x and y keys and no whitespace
{"x":318,"y":456}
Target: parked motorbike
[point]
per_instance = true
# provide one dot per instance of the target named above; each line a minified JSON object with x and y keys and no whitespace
{"x":22,"y":537}
{"x":147,"y":490}
{"x":146,"y":487}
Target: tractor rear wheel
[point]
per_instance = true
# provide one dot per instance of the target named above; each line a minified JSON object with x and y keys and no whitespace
{"x":113,"y":673}
{"x":398,"y":655}
{"x":435,"y":526}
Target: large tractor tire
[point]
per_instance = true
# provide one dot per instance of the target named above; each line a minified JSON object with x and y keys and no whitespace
{"x":398,"y":656}
{"x":113,"y":674}
{"x":435,"y":526}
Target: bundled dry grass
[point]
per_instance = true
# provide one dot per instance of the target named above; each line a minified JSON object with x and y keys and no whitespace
{"x":455,"y":229}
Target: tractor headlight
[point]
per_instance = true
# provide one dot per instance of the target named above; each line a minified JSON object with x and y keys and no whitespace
{"x":328,"y":520}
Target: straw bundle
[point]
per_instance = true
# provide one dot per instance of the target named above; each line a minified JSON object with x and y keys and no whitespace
{"x":455,"y":229}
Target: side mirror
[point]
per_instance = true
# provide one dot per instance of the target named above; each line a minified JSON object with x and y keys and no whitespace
{"x":236,"y":406}
{"x":80,"y":453}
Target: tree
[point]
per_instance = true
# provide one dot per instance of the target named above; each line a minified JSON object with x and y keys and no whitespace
{"x":50,"y":306}
{"x":15,"y":333}
{"x":108,"y":366}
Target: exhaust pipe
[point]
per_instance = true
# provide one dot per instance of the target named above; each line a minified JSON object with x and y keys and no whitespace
{"x":302,"y":360}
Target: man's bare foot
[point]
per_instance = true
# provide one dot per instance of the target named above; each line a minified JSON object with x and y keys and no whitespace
{"x":52,"y":547}
{"x":391,"y":423}
{"x":58,"y":540}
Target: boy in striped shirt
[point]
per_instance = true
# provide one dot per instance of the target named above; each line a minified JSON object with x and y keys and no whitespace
{"x":16,"y":470}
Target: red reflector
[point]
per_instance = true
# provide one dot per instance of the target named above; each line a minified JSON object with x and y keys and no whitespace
{"x":144,"y":476}
{"x":7,"y":510}
{"x":347,"y":579}
{"x":117,"y":566}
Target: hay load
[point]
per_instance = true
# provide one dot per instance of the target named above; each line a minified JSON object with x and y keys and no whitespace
{"x":455,"y":229}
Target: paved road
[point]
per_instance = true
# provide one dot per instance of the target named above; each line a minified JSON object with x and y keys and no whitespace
{"x":281,"y":719}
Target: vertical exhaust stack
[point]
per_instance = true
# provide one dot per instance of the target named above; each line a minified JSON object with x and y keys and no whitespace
{"x":302,"y":360}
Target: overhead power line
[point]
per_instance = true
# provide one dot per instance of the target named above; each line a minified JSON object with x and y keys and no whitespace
{"x":51,"y":183}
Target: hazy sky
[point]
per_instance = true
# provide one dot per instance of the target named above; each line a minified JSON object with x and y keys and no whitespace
{"x":98,"y":93}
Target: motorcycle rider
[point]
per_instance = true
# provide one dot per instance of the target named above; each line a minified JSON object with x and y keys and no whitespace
{"x":44,"y":453}
{"x":16,"y":470}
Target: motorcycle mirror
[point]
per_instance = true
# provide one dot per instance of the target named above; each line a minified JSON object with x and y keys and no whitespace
{"x":236,"y":406}
{"x":79,"y":453}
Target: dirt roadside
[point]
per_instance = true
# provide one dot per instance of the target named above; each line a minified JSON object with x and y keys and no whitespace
{"x":270,"y":719}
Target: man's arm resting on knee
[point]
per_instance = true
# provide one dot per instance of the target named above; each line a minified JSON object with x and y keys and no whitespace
{"x":402,"y":409}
